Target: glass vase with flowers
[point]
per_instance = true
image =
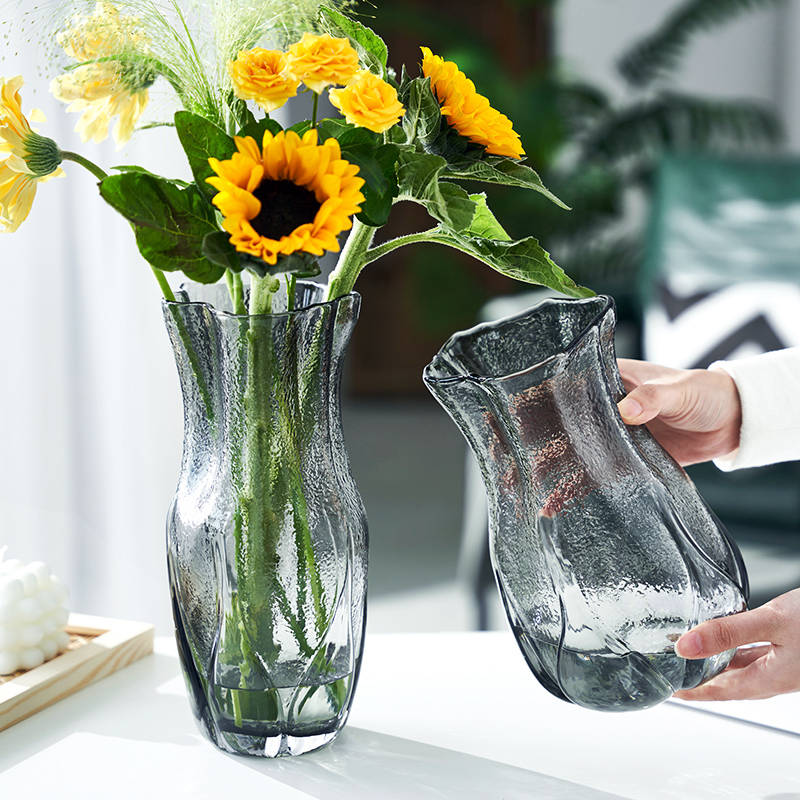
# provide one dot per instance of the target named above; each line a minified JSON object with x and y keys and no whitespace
{"x":267,"y":536}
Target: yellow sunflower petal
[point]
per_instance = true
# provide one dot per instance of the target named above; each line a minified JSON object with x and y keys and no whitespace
{"x":293,"y":176}
{"x":468,"y":112}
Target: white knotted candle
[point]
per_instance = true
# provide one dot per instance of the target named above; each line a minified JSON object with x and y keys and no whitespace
{"x":32,"y":615}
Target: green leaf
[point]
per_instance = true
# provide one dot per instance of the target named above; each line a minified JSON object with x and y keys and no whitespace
{"x":381,"y":186}
{"x":217,"y":247}
{"x":241,"y":113}
{"x":143,"y":171}
{"x":523,"y":260}
{"x":368,"y":168}
{"x":301,"y":265}
{"x":348,"y":135}
{"x":201,"y":140}
{"x":419,"y":177}
{"x":376,"y":167}
{"x":423,"y":118}
{"x":484,"y":223}
{"x":673,"y":121}
{"x":170,"y":222}
{"x":504,"y":171}
{"x":256,"y":129}
{"x":371,"y":48}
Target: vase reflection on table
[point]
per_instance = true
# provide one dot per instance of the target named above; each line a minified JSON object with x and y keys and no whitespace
{"x":267,"y":533}
{"x":603,"y":551}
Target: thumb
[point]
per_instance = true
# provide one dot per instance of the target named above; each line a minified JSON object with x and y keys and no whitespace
{"x":648,"y":401}
{"x":725,"y":633}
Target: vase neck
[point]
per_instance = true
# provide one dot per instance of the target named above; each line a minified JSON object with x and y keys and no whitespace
{"x":533,"y":390}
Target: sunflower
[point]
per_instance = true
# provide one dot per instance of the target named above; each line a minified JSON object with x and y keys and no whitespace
{"x":288,"y":195}
{"x":28,"y":157}
{"x":468,"y":112}
{"x":116,"y":84}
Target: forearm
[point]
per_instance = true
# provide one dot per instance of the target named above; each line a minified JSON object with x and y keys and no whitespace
{"x":769,"y":390}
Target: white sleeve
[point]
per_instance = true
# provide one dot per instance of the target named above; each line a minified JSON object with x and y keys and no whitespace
{"x":769,"y":388}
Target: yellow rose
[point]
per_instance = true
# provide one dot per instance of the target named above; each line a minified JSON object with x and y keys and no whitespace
{"x":261,"y":75}
{"x":368,"y":102}
{"x":319,"y":61}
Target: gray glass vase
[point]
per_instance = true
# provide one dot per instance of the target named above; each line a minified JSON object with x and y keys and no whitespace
{"x":267,"y":535}
{"x":603,"y":551}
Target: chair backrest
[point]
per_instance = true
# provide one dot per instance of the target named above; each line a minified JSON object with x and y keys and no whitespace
{"x":721,"y":278}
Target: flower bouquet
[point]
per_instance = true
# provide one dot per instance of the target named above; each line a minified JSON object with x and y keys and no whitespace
{"x":267,"y":534}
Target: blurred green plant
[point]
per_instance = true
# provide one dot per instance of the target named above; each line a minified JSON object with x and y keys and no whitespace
{"x":591,"y":150}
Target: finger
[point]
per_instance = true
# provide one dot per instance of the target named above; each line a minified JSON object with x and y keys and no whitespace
{"x":651,"y":400}
{"x":715,"y":636}
{"x":747,"y":655}
{"x":759,"y":680}
{"x":634,"y":373}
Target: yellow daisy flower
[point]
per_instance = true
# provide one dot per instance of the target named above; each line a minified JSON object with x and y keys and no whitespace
{"x":288,"y":195}
{"x":467,"y":111}
{"x":368,"y":102}
{"x":260,"y":75}
{"x":116,"y":87}
{"x":27,"y":157}
{"x":320,"y":61}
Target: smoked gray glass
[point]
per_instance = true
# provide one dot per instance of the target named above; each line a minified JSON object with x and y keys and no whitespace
{"x":267,"y":536}
{"x":603,"y":551}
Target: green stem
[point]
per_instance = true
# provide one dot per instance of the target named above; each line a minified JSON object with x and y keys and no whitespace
{"x":314,"y":111}
{"x":162,"y":282}
{"x":261,"y":293}
{"x":66,"y":155}
{"x":100,"y":174}
{"x":424,"y":236}
{"x":236,"y":290}
{"x":291,"y":282}
{"x":352,"y":260}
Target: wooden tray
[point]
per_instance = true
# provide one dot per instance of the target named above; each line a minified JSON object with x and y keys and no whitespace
{"x":98,"y":647}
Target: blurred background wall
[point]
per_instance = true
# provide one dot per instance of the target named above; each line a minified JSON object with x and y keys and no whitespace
{"x":90,"y":410}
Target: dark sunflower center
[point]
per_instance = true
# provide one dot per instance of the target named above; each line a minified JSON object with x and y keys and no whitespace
{"x":284,"y":207}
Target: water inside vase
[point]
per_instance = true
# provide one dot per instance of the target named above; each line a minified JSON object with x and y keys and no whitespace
{"x":614,"y":682}
{"x":278,"y":721}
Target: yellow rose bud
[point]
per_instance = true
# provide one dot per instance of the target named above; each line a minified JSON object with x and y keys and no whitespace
{"x":320,"y":61}
{"x":368,"y":102}
{"x":261,"y":75}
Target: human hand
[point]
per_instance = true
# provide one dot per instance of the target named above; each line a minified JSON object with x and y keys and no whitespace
{"x":695,"y":415}
{"x":755,"y":672}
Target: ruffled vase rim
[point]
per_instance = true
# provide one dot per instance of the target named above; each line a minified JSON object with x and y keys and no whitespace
{"x":432,"y":379}
{"x":353,"y":296}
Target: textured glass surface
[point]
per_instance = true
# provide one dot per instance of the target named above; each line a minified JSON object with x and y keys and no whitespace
{"x":267,"y":535}
{"x":603,"y":551}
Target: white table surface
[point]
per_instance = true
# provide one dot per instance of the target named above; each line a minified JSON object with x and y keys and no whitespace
{"x":447,"y":716}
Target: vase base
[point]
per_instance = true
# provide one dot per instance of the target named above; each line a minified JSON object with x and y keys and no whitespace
{"x":614,"y":682}
{"x":272,"y":746}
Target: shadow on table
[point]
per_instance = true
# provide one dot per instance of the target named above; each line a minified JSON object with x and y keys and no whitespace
{"x":119,"y":705}
{"x":364,"y":763}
